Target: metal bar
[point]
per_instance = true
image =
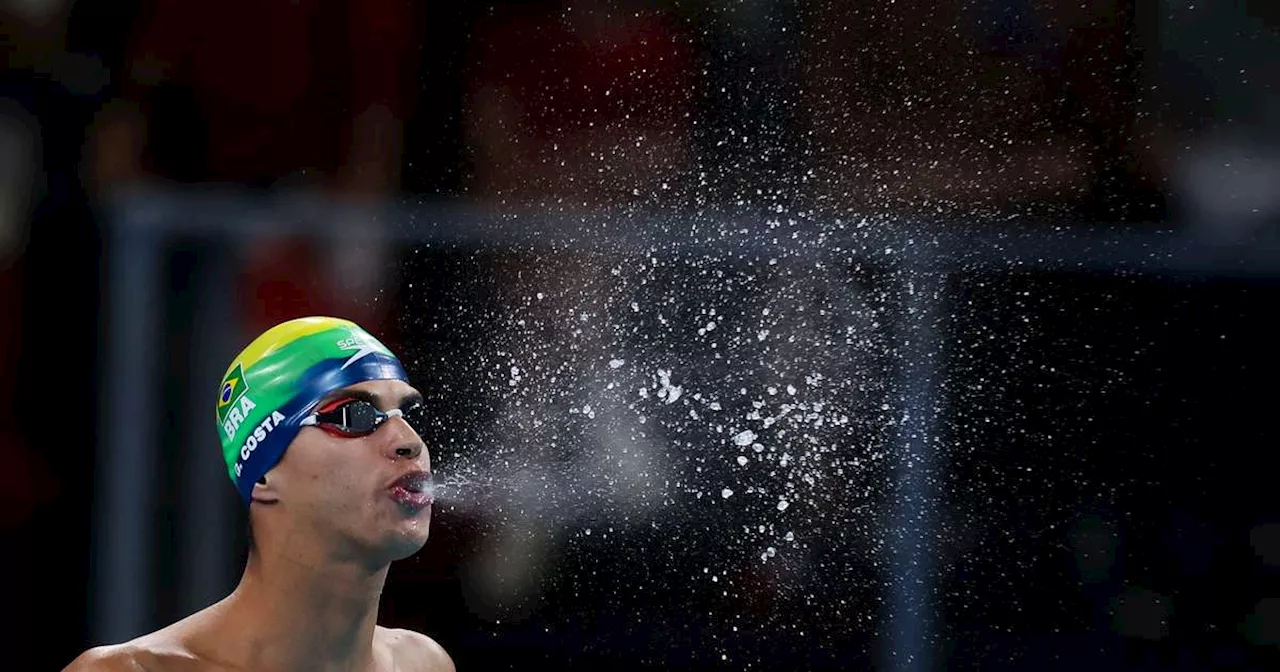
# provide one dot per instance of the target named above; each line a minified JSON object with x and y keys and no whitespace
{"x":925,"y":254}
{"x":959,"y":245}
{"x":911,"y":572}
{"x":206,"y":567}
{"x":122,"y":557}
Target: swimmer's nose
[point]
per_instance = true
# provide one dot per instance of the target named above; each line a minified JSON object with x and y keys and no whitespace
{"x":407,"y":445}
{"x":410,"y":450}
{"x":415,"y":450}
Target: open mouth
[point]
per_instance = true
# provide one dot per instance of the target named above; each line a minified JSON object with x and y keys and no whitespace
{"x":414,"y":481}
{"x":413,"y":490}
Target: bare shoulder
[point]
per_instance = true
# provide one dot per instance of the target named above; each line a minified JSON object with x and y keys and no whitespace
{"x":113,"y":658}
{"x":164,"y":650}
{"x":416,"y":650}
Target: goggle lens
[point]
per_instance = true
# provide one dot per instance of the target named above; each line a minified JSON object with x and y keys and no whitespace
{"x":358,"y":417}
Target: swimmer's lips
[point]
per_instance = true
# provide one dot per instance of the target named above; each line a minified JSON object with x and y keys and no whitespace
{"x":411,"y":489}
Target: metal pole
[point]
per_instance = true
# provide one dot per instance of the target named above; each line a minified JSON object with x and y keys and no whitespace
{"x":911,"y":579}
{"x":122,"y":556}
{"x":206,"y":557}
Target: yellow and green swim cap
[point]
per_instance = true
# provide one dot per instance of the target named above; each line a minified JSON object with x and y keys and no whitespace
{"x":277,"y":381}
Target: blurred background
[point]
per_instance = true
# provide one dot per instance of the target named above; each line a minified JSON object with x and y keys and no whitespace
{"x":759,"y":335}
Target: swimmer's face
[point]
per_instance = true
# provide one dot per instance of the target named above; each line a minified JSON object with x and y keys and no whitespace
{"x":352,"y":485}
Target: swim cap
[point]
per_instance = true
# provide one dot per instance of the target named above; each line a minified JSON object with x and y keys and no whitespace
{"x":277,"y":381}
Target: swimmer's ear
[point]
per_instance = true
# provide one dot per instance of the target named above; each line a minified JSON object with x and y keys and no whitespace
{"x":264,"y":492}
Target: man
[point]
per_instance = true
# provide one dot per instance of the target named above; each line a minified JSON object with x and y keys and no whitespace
{"x":319,"y":430}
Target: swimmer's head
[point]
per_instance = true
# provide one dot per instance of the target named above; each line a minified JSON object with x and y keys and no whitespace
{"x":278,"y":380}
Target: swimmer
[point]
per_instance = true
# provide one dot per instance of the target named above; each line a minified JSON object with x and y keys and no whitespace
{"x":320,"y":431}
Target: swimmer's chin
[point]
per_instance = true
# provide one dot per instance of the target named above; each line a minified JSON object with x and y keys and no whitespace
{"x":410,"y":538}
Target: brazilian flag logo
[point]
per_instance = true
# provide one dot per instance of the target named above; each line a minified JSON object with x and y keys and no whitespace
{"x":233,"y":387}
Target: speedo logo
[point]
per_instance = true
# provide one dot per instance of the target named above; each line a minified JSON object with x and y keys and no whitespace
{"x":352,"y":343}
{"x":362,"y":347}
{"x":259,"y":435}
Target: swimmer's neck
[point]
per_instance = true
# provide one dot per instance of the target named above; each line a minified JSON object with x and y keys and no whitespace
{"x":296,"y":614}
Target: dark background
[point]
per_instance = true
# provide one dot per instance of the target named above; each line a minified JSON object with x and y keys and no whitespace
{"x":1100,"y":490}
